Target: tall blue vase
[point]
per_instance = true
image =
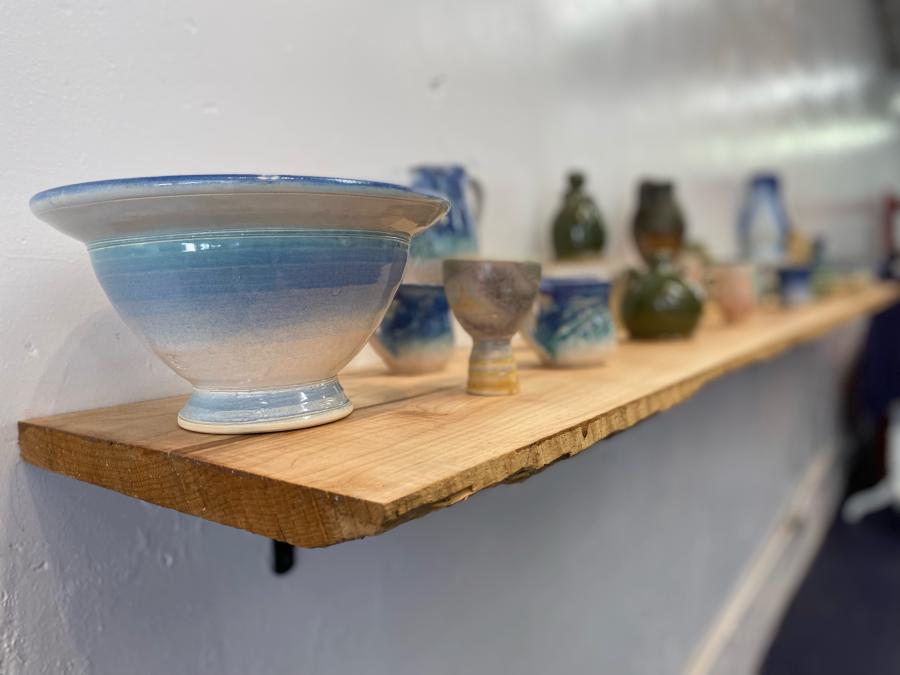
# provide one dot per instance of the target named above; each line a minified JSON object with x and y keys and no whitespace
{"x":763,"y":222}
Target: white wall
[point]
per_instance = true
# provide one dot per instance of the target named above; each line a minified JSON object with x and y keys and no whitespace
{"x":701,"y":90}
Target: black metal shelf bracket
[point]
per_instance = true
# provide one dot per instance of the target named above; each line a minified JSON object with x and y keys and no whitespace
{"x":282,"y":557}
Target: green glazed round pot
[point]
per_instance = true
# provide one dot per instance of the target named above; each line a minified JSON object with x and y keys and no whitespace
{"x":658,"y":304}
{"x":578,"y":230}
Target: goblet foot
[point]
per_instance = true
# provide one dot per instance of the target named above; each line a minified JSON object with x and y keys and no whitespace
{"x":260,"y":410}
{"x":492,"y":369}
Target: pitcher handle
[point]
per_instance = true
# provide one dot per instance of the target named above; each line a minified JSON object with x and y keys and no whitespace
{"x":477,"y":198}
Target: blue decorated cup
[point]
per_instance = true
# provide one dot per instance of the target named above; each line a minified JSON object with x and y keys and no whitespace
{"x":571,"y":324}
{"x":415,"y":335}
{"x":256,"y":289}
{"x":795,"y":285}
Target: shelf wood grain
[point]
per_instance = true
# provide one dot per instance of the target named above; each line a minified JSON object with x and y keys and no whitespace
{"x":414,"y":444}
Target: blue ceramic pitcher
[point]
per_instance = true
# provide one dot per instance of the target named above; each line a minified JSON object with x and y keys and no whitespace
{"x":456,"y":234}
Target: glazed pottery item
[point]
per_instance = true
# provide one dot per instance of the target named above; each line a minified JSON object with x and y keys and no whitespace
{"x":843,"y":276}
{"x":795,"y":285}
{"x":256,"y":289}
{"x":763,"y":226}
{"x":571,"y":324}
{"x":415,"y":335}
{"x":658,"y":303}
{"x":693,"y":262}
{"x":491,"y":299}
{"x":658,"y":223}
{"x":578,"y":230}
{"x":823,"y":281}
{"x":733,"y":288}
{"x":455,"y":234}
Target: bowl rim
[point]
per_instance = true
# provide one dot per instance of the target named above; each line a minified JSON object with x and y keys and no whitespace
{"x":100,"y":191}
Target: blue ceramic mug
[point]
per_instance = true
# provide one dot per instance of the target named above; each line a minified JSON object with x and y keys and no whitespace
{"x":415,"y":335}
{"x":571,"y":324}
{"x":795,"y":285}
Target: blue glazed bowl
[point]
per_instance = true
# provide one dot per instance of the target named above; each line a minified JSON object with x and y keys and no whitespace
{"x":571,"y":324}
{"x":256,"y":289}
{"x":795,"y":285}
{"x":415,"y":335}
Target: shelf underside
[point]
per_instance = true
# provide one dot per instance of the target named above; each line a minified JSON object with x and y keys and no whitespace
{"x":414,"y":444}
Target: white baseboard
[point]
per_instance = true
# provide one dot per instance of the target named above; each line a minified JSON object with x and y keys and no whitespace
{"x":737,"y":639}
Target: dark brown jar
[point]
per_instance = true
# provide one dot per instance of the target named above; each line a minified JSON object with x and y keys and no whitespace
{"x":658,"y":223}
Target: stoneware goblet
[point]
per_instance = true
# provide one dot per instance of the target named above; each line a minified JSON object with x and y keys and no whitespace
{"x":415,"y":335}
{"x":491,"y":299}
{"x":570,"y":324}
{"x":256,"y":289}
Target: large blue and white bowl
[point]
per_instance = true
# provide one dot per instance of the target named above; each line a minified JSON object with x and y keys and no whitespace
{"x":256,"y":289}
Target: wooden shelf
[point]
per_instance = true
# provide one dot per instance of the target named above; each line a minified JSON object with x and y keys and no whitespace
{"x":414,"y":444}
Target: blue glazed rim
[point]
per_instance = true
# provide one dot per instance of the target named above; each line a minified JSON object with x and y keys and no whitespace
{"x":94,"y":192}
{"x":549,"y":284}
{"x":421,"y":287}
{"x":795,"y":272}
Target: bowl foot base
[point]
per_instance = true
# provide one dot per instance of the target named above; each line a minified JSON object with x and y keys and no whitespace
{"x":263,"y":410}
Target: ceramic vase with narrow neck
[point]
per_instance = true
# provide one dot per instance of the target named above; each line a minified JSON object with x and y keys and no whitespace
{"x":658,"y":222}
{"x":491,"y":299}
{"x":578,"y":230}
{"x":763,"y":224}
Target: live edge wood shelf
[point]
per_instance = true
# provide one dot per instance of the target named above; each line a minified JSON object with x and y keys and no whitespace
{"x":414,"y":444}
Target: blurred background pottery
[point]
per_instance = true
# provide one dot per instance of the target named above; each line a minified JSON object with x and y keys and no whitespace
{"x":415,"y":335}
{"x":256,"y":289}
{"x":571,"y":324}
{"x":795,"y":285}
{"x":578,"y":230}
{"x":764,"y":230}
{"x":733,"y":289}
{"x":658,"y":225}
{"x":763,"y":226}
{"x":457,"y":233}
{"x":491,"y":300}
{"x":693,"y":262}
{"x":659,"y":303}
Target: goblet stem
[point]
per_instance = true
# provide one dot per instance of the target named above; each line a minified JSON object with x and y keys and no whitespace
{"x":492,"y":369}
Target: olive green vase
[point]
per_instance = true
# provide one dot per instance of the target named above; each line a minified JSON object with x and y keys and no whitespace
{"x":659,"y":303}
{"x":578,"y":230}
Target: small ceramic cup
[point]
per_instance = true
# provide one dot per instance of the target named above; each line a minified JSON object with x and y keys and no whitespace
{"x":733,"y":288}
{"x":415,"y":335}
{"x":491,"y":299}
{"x":571,"y":324}
{"x":795,"y":285}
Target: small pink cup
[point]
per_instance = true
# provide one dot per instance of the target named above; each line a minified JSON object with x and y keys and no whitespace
{"x":733,"y":288}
